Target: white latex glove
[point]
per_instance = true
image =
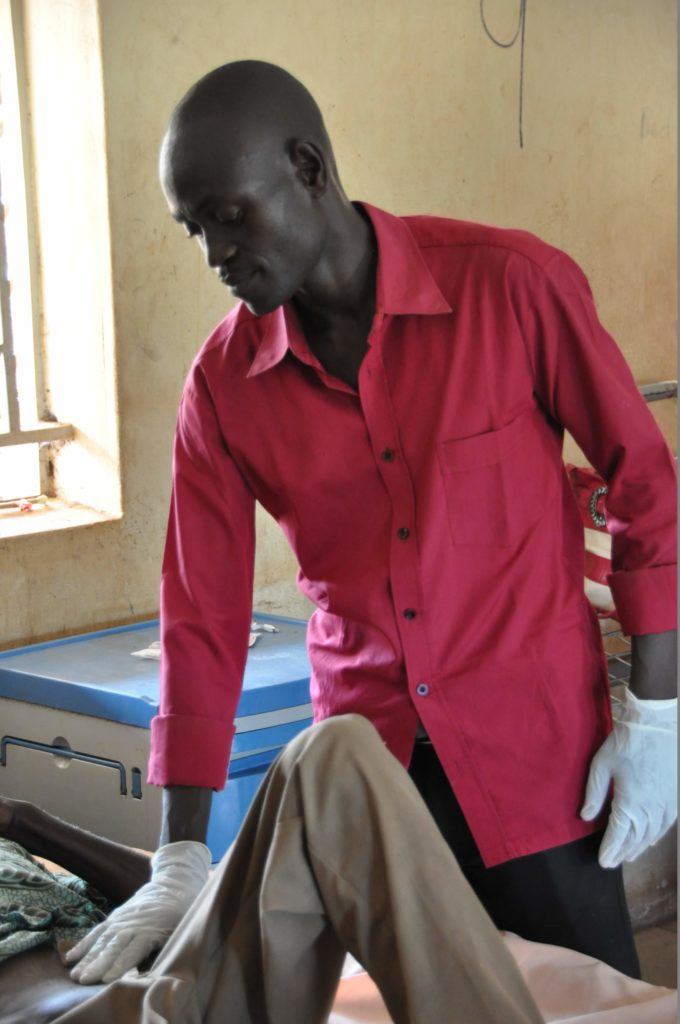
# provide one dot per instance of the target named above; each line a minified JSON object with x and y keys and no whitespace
{"x":145,"y":922}
{"x":639,"y":756}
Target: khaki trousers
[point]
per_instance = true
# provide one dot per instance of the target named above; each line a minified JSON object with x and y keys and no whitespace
{"x":338,"y":852}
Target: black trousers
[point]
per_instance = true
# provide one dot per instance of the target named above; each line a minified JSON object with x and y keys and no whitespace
{"x":560,"y":896}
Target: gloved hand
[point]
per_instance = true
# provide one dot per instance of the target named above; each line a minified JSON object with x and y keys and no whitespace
{"x":145,"y":922}
{"x":639,"y":756}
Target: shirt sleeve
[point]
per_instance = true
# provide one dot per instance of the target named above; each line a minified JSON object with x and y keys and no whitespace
{"x":205,"y":601}
{"x":584,"y":382}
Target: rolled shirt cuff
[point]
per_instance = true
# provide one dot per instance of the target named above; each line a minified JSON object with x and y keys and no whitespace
{"x":189,"y":751}
{"x":646,"y":599}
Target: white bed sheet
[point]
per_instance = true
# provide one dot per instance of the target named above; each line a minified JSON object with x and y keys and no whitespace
{"x":568,"y":987}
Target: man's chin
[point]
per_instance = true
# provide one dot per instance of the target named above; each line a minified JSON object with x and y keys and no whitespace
{"x":245,"y":293}
{"x":259,"y":305}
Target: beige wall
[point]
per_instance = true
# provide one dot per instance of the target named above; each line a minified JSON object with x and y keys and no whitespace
{"x":422,"y":108}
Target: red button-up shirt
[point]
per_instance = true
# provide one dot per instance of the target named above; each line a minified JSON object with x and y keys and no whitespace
{"x":432,"y":520}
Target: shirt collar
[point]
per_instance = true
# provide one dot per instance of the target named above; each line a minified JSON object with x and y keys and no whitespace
{"x":404,"y":285}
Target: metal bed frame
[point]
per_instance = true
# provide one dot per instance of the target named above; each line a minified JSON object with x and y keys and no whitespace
{"x":618,"y":649}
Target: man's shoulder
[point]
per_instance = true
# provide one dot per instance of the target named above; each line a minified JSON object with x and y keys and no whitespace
{"x":225,"y":356}
{"x":230,"y":347}
{"x":227,"y":329}
{"x":461,"y":236}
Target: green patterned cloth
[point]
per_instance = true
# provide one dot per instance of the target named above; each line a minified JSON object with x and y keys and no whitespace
{"x":38,"y":907}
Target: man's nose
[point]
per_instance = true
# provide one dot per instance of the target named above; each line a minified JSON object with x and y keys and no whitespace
{"x":218,"y":250}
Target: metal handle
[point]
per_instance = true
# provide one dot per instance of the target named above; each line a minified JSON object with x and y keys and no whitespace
{"x":75,"y":755}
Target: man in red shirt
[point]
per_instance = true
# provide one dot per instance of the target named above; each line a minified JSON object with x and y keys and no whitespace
{"x":394,"y":392}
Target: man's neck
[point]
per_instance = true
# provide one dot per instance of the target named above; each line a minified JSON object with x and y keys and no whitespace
{"x":343,"y":287}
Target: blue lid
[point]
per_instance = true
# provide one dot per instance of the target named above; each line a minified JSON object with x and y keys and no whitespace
{"x":95,"y":673}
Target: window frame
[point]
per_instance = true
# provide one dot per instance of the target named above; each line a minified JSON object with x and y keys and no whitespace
{"x":37,"y":425}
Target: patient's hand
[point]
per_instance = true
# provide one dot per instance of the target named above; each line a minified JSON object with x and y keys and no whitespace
{"x":143,"y":924}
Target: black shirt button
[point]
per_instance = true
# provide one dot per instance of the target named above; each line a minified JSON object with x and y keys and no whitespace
{"x":409,"y":613}
{"x":387,"y":455}
{"x":403,"y":533}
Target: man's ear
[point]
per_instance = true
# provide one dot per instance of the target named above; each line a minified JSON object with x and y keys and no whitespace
{"x":309,"y":164}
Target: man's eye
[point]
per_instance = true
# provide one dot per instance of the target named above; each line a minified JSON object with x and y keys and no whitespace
{"x":232,"y":217}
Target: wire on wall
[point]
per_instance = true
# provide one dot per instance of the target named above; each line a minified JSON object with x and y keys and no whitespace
{"x":521,"y":24}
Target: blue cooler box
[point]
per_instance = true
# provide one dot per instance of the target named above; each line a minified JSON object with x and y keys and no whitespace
{"x":74,"y":728}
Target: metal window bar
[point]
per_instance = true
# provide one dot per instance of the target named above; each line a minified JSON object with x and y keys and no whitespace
{"x":12,"y":432}
{"x":6,"y":347}
{"x":16,"y":434}
{"x":660,"y":389}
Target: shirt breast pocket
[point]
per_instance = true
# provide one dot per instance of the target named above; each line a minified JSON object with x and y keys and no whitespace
{"x":496,"y":483}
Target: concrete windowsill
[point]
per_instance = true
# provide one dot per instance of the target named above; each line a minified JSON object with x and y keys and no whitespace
{"x":49,"y":515}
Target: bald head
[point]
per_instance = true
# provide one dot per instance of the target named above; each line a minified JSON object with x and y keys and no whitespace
{"x":248,"y":111}
{"x":251,"y":97}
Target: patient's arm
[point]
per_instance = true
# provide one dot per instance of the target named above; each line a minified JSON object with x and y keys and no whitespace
{"x":35,"y":986}
{"x":114,"y":869}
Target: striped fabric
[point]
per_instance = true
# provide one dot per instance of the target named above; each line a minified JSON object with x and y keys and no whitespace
{"x":590,"y":491}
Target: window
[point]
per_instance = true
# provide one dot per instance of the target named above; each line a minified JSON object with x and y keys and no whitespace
{"x":24,"y":421}
{"x":58,"y":409}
